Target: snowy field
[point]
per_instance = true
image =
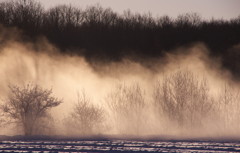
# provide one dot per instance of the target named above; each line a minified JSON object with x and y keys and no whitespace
{"x":117,"y":146}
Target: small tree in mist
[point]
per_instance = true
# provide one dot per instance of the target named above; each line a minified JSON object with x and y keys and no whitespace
{"x":85,"y":117}
{"x":127,"y":106}
{"x":2,"y":119}
{"x":183,"y":98}
{"x":28,"y":106}
{"x":228,"y":105}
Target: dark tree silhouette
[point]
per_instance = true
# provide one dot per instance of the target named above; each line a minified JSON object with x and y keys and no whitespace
{"x":100,"y":34}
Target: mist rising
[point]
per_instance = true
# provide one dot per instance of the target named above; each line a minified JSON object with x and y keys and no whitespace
{"x":110,"y":87}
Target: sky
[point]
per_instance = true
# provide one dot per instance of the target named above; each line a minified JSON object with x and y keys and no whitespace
{"x":219,"y":9}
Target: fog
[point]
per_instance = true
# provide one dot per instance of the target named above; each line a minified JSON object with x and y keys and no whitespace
{"x":68,"y":75}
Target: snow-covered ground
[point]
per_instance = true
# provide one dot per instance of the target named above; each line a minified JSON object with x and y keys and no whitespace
{"x":117,"y":146}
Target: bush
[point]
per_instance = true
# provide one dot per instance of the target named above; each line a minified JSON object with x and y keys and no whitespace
{"x":228,"y":104}
{"x":85,"y":117}
{"x":183,"y":99}
{"x":127,"y":108}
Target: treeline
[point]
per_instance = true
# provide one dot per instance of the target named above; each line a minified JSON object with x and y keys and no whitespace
{"x":102,"y":34}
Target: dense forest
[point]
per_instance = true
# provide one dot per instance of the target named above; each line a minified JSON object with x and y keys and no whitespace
{"x":100,"y":34}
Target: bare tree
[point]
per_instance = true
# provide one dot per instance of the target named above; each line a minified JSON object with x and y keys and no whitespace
{"x":183,"y":98}
{"x":86,"y":118}
{"x":64,"y":16}
{"x":28,"y":106}
{"x":26,"y":14}
{"x":127,"y":106}
{"x":188,"y":19}
{"x":228,"y":103}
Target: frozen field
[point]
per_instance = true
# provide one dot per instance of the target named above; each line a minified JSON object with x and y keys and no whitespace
{"x":117,"y":146}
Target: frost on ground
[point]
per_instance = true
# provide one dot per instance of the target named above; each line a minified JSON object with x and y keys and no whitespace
{"x":117,"y":146}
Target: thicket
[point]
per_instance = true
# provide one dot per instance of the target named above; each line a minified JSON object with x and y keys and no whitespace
{"x":127,"y":106}
{"x":102,"y":34}
{"x":185,"y":100}
{"x":178,"y":101}
{"x":85,"y":118}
